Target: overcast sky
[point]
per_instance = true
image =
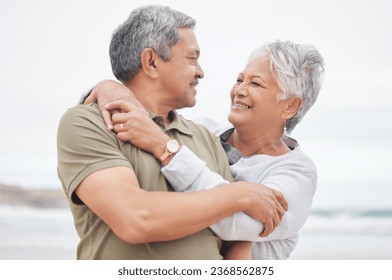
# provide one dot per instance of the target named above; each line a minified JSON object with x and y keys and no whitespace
{"x":51,"y":51}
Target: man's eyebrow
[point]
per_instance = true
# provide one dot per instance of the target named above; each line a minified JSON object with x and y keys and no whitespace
{"x":196,"y":51}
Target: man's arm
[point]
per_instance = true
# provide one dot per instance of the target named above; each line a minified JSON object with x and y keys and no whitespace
{"x":143,"y":133}
{"x":137,"y":216}
{"x":92,"y":166}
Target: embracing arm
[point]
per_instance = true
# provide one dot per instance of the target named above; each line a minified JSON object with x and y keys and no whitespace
{"x":186,"y":172}
{"x":137,"y":216}
{"x":92,"y":166}
{"x":296,"y":180}
{"x":149,"y":137}
{"x":107,"y":91}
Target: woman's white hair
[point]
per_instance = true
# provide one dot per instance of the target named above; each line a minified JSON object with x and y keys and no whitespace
{"x":299,"y":71}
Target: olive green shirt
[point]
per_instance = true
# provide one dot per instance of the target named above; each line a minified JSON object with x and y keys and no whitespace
{"x":85,"y":146}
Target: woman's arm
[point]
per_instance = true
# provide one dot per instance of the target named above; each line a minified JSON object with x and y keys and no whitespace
{"x":108,"y":91}
{"x":132,"y":124}
{"x":294,"y":178}
{"x":186,"y":172}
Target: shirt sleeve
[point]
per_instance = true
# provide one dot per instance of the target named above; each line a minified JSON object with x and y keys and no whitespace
{"x":297,"y":182}
{"x":186,"y":172}
{"x":85,"y":146}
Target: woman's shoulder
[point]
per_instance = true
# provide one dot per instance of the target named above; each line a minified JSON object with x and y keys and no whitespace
{"x":300,"y":162}
{"x":298,"y":156}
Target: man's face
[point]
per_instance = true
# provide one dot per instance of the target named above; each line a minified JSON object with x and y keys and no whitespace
{"x":179,"y":76}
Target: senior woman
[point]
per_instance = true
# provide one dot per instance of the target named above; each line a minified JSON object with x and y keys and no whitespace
{"x":271,"y":95}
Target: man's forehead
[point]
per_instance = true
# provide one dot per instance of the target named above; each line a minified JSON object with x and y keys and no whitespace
{"x":187,"y":41}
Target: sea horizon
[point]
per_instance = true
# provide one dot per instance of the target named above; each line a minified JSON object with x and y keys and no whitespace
{"x":349,"y":222}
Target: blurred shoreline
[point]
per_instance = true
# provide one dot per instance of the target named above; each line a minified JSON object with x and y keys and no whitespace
{"x":37,"y":198}
{"x":37,"y":224}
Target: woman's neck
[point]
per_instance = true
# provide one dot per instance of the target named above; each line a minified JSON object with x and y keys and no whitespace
{"x":249,"y":143}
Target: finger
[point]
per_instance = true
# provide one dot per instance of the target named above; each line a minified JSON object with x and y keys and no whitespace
{"x":279,"y":196}
{"x":120,"y":118}
{"x":280,"y":210}
{"x":120,"y":105}
{"x":275,"y":220}
{"x":267,"y":228}
{"x":107,"y":118}
{"x":119,"y":128}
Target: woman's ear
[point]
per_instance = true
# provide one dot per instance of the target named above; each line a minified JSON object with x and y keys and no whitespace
{"x":149,"y":60}
{"x":293,"y":104}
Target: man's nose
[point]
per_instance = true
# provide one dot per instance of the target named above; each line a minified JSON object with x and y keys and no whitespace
{"x":199,"y":71}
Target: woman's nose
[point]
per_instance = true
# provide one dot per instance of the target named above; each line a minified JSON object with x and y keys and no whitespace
{"x":241,"y":90}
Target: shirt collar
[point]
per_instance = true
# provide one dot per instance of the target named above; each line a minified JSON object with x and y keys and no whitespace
{"x":176,"y":122}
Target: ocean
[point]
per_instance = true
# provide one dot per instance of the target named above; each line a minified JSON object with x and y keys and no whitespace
{"x":329,"y":234}
{"x":349,"y":220}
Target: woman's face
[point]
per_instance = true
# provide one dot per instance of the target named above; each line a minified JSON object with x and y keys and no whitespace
{"x":254,"y":97}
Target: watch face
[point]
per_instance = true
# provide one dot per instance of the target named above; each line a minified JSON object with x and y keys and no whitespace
{"x":172,"y":146}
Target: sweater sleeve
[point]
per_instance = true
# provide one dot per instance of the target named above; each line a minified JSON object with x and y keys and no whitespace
{"x":297,"y":182}
{"x":186,"y":172}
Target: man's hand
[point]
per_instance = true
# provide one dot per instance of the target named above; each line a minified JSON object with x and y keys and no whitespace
{"x":107,"y":91}
{"x":267,"y":205}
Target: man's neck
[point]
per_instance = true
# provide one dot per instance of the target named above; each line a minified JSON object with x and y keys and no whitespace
{"x":151,"y":99}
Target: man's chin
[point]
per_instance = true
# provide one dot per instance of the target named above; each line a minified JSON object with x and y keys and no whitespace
{"x":191,"y":103}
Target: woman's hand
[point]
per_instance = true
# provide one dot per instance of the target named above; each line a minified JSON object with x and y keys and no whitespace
{"x":133,"y":124}
{"x":107,"y":91}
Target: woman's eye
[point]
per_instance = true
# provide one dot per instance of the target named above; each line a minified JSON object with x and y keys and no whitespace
{"x":239,"y":81}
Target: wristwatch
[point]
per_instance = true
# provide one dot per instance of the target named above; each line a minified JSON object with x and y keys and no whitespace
{"x":172,"y":147}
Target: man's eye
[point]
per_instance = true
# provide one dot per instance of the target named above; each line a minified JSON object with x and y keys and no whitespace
{"x":239,"y":81}
{"x":193,"y":60}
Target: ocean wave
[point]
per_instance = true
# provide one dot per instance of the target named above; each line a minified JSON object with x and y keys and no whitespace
{"x":376,"y":222}
{"x":352,"y":212}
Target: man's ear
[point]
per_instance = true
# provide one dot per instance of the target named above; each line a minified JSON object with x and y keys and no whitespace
{"x":149,"y":60}
{"x":293,"y":104}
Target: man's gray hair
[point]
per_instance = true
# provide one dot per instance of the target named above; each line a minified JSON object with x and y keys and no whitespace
{"x":299,"y":71}
{"x":153,"y":27}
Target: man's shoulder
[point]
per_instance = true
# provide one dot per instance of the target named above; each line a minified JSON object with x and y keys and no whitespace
{"x":83,"y":109}
{"x":78,"y":118}
{"x":82,"y":112}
